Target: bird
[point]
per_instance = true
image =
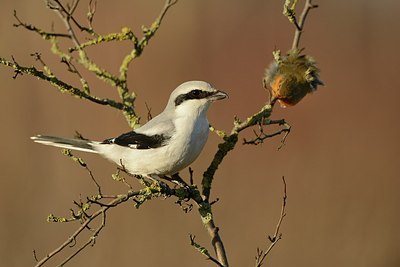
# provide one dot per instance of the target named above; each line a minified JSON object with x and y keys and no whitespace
{"x":291,"y":77}
{"x":166,"y":144}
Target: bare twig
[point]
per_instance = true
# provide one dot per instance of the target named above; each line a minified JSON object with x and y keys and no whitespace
{"x":261,"y":255}
{"x":65,"y":16}
{"x":94,"y":180}
{"x":34,"y":255}
{"x":44,"y":34}
{"x":300,"y":24}
{"x":260,"y":137}
{"x":149,"y":116}
{"x":91,"y":241}
{"x":72,"y":8}
{"x":83,"y":164}
{"x":91,"y":12}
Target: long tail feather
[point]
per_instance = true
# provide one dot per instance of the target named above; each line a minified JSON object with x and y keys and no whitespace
{"x":74,"y":144}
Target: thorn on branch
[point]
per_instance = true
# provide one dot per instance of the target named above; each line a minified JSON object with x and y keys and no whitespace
{"x":72,"y":243}
{"x":78,"y":135}
{"x":271,"y":239}
{"x":191,"y":176}
{"x":186,"y":207}
{"x":34,"y":255}
{"x":215,"y":201}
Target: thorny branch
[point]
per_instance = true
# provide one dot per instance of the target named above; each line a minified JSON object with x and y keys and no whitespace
{"x":118,"y":200}
{"x":183,"y":191}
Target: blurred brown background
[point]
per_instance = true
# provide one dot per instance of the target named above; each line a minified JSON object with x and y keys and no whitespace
{"x":341,"y":160}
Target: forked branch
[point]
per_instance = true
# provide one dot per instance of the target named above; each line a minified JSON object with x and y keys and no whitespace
{"x":300,"y":23}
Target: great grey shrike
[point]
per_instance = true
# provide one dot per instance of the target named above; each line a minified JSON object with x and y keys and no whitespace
{"x":164,"y":145}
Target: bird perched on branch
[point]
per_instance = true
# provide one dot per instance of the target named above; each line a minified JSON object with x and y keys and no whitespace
{"x":291,"y":77}
{"x":164,"y":145}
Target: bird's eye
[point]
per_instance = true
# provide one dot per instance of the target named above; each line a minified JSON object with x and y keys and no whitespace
{"x":196,"y":93}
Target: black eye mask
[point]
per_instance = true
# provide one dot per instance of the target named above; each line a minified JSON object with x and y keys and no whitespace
{"x":194,"y":94}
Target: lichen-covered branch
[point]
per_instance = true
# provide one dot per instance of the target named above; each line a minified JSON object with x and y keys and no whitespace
{"x":125,"y":34}
{"x":139,"y":45}
{"x":223,"y":149}
{"x":71,"y":240}
{"x":66,"y":14}
{"x":60,"y":85}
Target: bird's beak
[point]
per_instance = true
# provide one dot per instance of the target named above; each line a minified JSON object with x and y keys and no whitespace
{"x":218,"y":95}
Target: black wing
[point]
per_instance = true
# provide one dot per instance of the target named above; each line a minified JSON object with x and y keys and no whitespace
{"x":138,"y":140}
